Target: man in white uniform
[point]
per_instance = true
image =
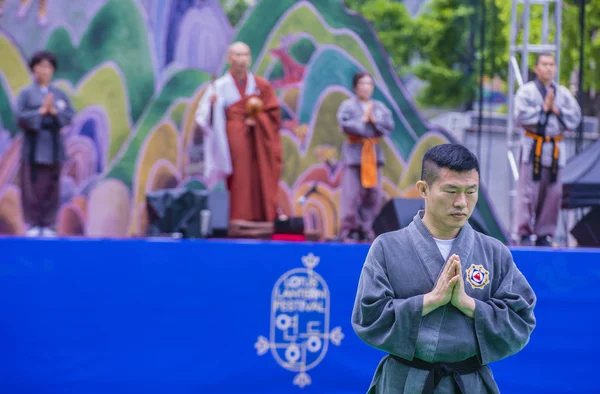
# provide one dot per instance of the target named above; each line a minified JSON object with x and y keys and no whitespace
{"x":544,"y":110}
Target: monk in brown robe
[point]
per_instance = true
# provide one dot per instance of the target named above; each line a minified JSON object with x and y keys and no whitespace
{"x":241,"y":118}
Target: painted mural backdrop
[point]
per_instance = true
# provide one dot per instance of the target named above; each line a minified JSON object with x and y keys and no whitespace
{"x":136,"y":70}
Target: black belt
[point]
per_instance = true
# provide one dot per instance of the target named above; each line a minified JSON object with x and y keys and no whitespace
{"x":536,"y":154}
{"x":438,"y":371}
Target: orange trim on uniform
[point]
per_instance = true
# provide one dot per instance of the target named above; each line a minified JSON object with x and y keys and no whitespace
{"x":537,"y":153}
{"x":368,"y":160}
{"x":539,"y":141}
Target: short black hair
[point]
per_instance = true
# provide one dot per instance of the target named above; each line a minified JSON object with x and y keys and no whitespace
{"x":358,"y":76}
{"x":544,"y":54}
{"x":40,"y":56}
{"x":454,"y":157}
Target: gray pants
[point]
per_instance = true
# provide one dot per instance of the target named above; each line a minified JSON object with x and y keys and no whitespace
{"x":539,"y":200}
{"x":359,"y":206}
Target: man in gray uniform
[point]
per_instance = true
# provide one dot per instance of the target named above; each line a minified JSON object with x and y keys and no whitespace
{"x":42,"y":110}
{"x":544,"y":110}
{"x":442,"y":299}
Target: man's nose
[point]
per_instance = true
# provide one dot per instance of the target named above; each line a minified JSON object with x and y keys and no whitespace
{"x":460,"y":201}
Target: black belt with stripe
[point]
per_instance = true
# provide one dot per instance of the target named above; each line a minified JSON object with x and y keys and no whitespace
{"x":536,"y":154}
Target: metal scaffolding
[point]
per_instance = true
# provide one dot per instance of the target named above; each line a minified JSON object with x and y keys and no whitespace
{"x":518,"y":74}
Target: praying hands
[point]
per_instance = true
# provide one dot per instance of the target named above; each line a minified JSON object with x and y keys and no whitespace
{"x":48,"y":105}
{"x":549,"y":104}
{"x":368,"y":114}
{"x":450,"y":287}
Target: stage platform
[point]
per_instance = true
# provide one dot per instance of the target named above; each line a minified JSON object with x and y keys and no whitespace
{"x":180,"y":316}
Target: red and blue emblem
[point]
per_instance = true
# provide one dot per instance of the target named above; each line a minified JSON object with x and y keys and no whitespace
{"x":477,"y":276}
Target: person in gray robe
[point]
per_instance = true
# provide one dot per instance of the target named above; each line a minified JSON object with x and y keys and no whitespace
{"x":364,"y":121}
{"x":42,"y":110}
{"x":443,"y":300}
{"x":544,"y":110}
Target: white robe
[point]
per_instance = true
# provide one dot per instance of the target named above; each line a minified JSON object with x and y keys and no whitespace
{"x":217,"y":157}
{"x":529,"y":111}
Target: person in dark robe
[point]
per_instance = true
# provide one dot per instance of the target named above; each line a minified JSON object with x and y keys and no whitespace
{"x":364,"y":121}
{"x":42,"y":110}
{"x":241,"y":118}
{"x":441,"y":299}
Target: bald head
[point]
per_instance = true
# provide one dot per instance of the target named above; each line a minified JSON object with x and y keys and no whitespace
{"x":239,"y":58}
{"x":238,"y":46}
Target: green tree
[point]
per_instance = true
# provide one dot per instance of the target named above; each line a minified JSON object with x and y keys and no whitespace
{"x":448,"y":37}
{"x":395,"y":29}
{"x":445,"y":41}
{"x":570,"y":45}
{"x":439,"y":46}
{"x":570,"y":42}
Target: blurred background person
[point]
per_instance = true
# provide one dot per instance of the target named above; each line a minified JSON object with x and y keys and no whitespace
{"x":241,"y":118}
{"x":544,"y":110}
{"x":42,"y":110}
{"x":364,"y":121}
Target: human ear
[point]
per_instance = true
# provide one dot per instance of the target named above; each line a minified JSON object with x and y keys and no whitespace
{"x":422,"y":188}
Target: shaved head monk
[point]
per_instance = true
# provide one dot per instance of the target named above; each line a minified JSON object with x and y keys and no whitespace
{"x":241,"y":118}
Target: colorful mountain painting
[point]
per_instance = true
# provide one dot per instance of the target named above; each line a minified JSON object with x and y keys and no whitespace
{"x":136,"y":73}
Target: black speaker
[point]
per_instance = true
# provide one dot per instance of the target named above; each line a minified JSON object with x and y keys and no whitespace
{"x":289,"y":226}
{"x":396,"y":214}
{"x":172,"y":211}
{"x":587,"y":230}
{"x":399,"y":212}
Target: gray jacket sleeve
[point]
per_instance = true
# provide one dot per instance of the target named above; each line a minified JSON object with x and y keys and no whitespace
{"x":570,"y":111}
{"x":64,"y":115}
{"x":382,"y":321}
{"x":384,"y":121}
{"x":350,"y":120}
{"x":504,"y":323}
{"x":528,"y":107}
{"x":28,"y":118}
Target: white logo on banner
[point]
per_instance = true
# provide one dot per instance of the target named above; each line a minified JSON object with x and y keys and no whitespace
{"x":300,"y":333}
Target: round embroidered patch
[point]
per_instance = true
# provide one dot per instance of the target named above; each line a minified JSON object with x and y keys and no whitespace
{"x":61,"y":105}
{"x":477,"y":276}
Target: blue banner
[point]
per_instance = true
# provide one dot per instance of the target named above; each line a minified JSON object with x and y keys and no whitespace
{"x":179,"y":316}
